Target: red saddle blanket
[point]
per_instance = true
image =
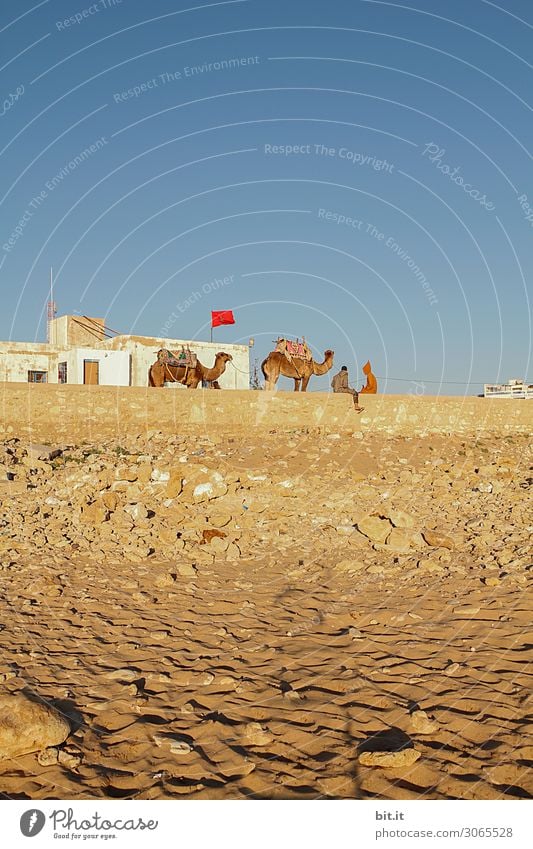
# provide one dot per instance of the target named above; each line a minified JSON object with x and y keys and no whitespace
{"x":292,"y":348}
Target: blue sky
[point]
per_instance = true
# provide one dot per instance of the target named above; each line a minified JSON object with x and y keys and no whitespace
{"x":357,"y":172}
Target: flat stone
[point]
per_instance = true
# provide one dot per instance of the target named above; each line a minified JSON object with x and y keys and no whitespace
{"x":48,"y":757}
{"x":349,"y":566}
{"x":210,"y":489}
{"x":399,"y":539}
{"x":390,"y":760}
{"x":256,"y":735}
{"x":420,"y":723}
{"x":37,"y":451}
{"x":180,"y":747}
{"x":94,"y":513}
{"x":374,"y":528}
{"x":438,"y":540}
{"x":137,"y":511}
{"x":122,"y":674}
{"x":491,"y":582}
{"x":27,"y":726}
{"x":400,"y":519}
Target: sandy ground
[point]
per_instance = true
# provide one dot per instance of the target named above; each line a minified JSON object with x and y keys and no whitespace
{"x":266,"y":677}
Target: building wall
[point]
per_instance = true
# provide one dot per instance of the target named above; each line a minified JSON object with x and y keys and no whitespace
{"x":144,"y":350}
{"x":17,"y":358}
{"x":113,"y":366}
{"x":69,"y":331}
{"x":76,"y":413}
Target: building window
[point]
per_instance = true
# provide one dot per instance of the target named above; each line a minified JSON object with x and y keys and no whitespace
{"x":37,"y":376}
{"x":62,"y":373}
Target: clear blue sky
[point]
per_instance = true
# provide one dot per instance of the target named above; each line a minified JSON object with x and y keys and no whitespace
{"x":359,"y":172}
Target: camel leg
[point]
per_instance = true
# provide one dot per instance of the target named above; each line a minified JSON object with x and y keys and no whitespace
{"x":297,"y":384}
{"x":305,"y":381}
{"x":157,"y":375}
{"x":271,"y":378}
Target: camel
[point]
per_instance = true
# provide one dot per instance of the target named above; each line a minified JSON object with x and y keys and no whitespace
{"x":299,"y":369}
{"x":161,"y":372}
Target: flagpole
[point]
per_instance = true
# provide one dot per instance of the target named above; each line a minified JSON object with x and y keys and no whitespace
{"x":211,"y":332}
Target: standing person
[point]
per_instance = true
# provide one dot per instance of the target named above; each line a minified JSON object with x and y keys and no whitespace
{"x":340,"y":384}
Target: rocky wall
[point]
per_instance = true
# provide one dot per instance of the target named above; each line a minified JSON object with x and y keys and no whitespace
{"x":88,"y":413}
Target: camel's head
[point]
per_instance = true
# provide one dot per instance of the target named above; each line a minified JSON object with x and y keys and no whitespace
{"x":328,"y":355}
{"x":224,"y":357}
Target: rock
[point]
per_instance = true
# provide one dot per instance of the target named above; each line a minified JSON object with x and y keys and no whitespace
{"x":209,"y":534}
{"x":174,"y":486}
{"x":124,"y":674}
{"x":491,"y":582}
{"x":420,"y":723}
{"x":390,"y":760}
{"x":466,"y":610}
{"x":127,"y":473}
{"x":137,"y":511}
{"x":430,"y":566}
{"x":110,"y":500}
{"x":163,"y":581}
{"x":28,"y":726}
{"x":180,"y":747}
{"x":374,"y":528}
{"x":256,"y":735}
{"x":219,"y":544}
{"x":400,"y":519}
{"x":186,"y":570}
{"x":69,"y":759}
{"x":219,"y":519}
{"x":399,"y":539}
{"x":349,"y":566}
{"x":210,"y":489}
{"x":186,"y":677}
{"x":48,"y":757}
{"x":94,"y":513}
{"x":438,"y":540}
{"x":42,"y":452}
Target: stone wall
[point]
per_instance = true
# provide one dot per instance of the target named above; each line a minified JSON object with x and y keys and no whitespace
{"x":89,"y":413}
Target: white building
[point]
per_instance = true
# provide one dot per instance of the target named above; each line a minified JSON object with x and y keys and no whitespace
{"x":514,"y":388}
{"x":81,"y":351}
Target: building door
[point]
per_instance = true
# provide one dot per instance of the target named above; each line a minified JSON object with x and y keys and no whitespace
{"x":90,"y":372}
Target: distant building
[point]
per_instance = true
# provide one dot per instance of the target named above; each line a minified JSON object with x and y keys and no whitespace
{"x":81,"y":351}
{"x":514,"y":388}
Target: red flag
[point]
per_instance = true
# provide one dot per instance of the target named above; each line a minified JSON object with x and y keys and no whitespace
{"x":219,"y":317}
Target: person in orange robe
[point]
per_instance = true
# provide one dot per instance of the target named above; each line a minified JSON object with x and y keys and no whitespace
{"x":371,"y":387}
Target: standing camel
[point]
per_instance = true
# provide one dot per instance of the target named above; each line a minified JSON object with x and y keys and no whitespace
{"x":299,"y":369}
{"x":161,"y":372}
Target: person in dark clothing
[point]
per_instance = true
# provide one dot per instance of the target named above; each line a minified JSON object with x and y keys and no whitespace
{"x":340,"y":384}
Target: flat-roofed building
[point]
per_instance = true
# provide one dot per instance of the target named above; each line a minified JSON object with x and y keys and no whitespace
{"x":82,"y":351}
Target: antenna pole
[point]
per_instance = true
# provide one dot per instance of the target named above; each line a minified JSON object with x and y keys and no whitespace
{"x":51,"y":312}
